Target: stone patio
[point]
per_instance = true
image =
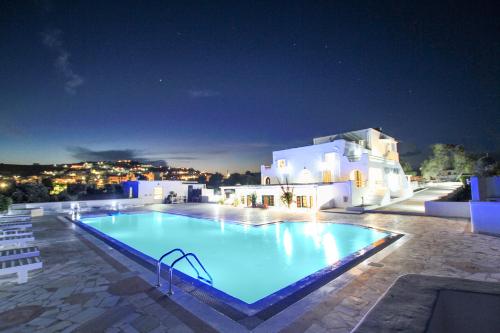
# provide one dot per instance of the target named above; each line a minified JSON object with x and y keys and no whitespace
{"x":84,"y":287}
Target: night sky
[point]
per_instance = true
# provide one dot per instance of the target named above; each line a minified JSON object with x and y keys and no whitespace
{"x":220,"y":85}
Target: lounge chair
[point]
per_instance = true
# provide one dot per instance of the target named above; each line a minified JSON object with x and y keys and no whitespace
{"x":15,"y":225}
{"x":15,"y":240}
{"x":19,"y":253}
{"x":15,"y":232}
{"x":21,"y":267}
{"x":14,"y":218}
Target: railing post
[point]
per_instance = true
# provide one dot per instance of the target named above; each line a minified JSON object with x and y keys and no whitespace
{"x":158,"y":268}
{"x":170,"y":274}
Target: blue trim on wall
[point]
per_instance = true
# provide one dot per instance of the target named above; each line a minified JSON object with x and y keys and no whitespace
{"x":131,"y":184}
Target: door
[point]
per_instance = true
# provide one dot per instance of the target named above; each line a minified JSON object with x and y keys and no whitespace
{"x":327,"y":176}
{"x":249,"y":201}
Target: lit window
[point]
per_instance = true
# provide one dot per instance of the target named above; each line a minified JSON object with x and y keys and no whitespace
{"x":327,"y":176}
{"x":281,"y":164}
{"x":268,"y":200}
{"x":357,"y":177}
{"x":158,"y":193}
{"x":303,"y":201}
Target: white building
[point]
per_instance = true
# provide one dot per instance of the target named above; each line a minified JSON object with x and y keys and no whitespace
{"x":343,"y":170}
{"x":171,"y":190}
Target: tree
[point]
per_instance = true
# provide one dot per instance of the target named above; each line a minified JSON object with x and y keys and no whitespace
{"x":486,"y":166}
{"x":47,"y":182}
{"x":463,"y":162}
{"x":202,"y":179}
{"x":31,"y":193}
{"x":215,"y":181}
{"x":5,"y":203}
{"x":77,"y":190}
{"x":407,"y":168}
{"x":447,"y":158}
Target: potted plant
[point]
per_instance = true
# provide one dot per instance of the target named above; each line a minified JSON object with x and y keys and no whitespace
{"x":254,"y":200}
{"x":286,"y":193}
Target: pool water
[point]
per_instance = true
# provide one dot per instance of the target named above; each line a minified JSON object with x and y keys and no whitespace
{"x":246,"y":262}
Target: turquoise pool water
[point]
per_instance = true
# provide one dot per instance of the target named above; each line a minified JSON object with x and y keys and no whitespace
{"x":246,"y":262}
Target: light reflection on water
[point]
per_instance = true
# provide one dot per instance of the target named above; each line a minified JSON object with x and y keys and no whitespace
{"x":247,"y":262}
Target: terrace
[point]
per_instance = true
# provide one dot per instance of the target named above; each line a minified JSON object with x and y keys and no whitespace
{"x":86,"y":285}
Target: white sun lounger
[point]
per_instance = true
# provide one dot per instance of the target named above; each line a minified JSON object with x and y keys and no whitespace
{"x":15,"y":232}
{"x":14,"y":218}
{"x":15,"y":225}
{"x":19,"y":253}
{"x":21,"y":267}
{"x":15,"y":240}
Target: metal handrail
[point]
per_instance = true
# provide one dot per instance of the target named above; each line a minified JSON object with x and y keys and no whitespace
{"x":185,"y":256}
{"x":158,"y":264}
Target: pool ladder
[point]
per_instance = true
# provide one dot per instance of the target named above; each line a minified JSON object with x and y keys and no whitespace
{"x":183,"y":256}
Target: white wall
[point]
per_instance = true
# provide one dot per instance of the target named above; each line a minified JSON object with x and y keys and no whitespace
{"x":324,"y":195}
{"x":485,"y":217}
{"x":208,"y":195}
{"x":146,"y":188}
{"x":306,"y":165}
{"x":301,"y":158}
{"x":484,"y":188}
{"x":447,"y":209}
{"x":334,"y":195}
{"x":66,"y":205}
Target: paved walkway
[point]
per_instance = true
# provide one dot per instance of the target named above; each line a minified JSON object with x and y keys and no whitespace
{"x":415,"y":205}
{"x":84,"y":288}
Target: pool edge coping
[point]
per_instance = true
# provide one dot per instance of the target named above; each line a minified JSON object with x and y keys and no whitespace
{"x":273,"y":303}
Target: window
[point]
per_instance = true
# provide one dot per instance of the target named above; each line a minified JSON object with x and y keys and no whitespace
{"x":158,"y":193}
{"x":303,"y":201}
{"x":331,"y":163}
{"x":268,"y":181}
{"x":327,"y":176}
{"x":281,"y":164}
{"x":357,"y":177}
{"x":268,"y":200}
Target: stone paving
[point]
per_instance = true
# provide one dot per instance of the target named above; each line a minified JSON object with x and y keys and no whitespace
{"x":82,"y":288}
{"x":472,"y":305}
{"x":416,"y":204}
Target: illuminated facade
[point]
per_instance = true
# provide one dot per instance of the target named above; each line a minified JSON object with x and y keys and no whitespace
{"x":161,"y":190}
{"x":342,"y":170}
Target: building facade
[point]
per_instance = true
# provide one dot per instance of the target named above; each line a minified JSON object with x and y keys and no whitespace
{"x":357,"y":168}
{"x":171,"y":191}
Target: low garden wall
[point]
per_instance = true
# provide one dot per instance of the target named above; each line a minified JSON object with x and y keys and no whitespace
{"x":66,"y":205}
{"x":447,"y":208}
{"x":485,"y":217}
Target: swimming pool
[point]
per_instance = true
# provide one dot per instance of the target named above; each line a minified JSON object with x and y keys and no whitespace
{"x":251,"y":264}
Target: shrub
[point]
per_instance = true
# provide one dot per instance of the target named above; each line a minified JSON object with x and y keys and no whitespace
{"x":254,"y":200}
{"x":5,"y":203}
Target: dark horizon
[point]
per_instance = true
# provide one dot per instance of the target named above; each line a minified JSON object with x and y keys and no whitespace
{"x":219,"y":87}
